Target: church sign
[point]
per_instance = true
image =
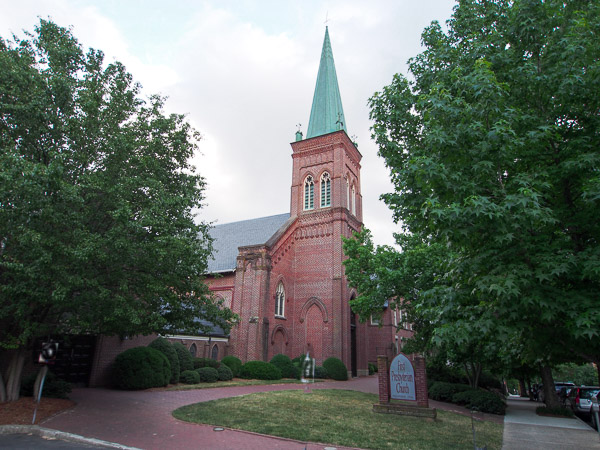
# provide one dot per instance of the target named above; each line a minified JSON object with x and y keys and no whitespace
{"x":402,"y":379}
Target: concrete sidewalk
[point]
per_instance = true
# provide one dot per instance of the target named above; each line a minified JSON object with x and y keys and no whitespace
{"x":525,"y":430}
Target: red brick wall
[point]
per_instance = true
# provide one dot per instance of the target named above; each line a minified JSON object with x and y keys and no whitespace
{"x":107,"y":349}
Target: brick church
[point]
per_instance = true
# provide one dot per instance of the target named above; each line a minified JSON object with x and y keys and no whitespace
{"x":283,"y":275}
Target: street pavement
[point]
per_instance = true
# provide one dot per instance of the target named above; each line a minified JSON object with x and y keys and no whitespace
{"x":525,"y":430}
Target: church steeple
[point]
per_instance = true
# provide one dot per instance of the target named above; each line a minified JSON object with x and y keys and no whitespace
{"x":326,"y":114}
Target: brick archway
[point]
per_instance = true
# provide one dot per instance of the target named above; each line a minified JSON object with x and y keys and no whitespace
{"x":314,"y":301}
{"x":279,"y":340}
{"x":313,"y":332}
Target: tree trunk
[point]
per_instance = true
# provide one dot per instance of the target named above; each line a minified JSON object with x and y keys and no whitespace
{"x":550,"y":397}
{"x":38,"y":381}
{"x":13,"y":375}
{"x":523,"y":392}
{"x":472,"y":370}
{"x":2,"y":389}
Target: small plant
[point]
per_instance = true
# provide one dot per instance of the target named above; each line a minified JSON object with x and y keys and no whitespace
{"x":260,"y":370}
{"x":372,"y":368}
{"x":560,"y":411}
{"x":287,"y":367}
{"x":186,"y":360}
{"x":336,"y":369}
{"x":54,"y":387}
{"x":235,"y":364}
{"x":298,"y":360}
{"x":320,"y":372}
{"x":141,"y":368}
{"x":206,"y":362}
{"x":189,"y":377}
{"x":225,"y":373}
{"x":208,"y":374}
{"x":165,"y":347}
{"x":484,"y":401}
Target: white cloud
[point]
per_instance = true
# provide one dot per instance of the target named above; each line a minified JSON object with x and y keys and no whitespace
{"x":244,"y":72}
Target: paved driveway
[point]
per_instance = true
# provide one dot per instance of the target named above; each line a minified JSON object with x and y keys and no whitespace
{"x":143,"y":419}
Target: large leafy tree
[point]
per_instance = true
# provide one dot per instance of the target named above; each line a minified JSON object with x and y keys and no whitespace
{"x":97,"y":233}
{"x":492,"y":144}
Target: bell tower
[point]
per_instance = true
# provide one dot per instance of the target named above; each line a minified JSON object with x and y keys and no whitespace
{"x":326,"y":165}
{"x":327,"y":204}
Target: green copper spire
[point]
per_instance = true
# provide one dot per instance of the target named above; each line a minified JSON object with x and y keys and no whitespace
{"x":327,"y":114}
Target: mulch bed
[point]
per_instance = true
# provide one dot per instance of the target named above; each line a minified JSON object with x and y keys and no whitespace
{"x":20,"y":412}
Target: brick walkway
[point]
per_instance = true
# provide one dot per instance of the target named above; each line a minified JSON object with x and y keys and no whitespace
{"x":143,"y":419}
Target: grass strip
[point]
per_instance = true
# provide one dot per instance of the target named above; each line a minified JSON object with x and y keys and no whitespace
{"x":342,"y":418}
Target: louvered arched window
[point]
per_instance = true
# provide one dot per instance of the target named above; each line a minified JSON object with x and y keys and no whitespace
{"x":309,"y":193}
{"x":348,"y":192}
{"x":353,"y":200}
{"x":325,"y":190}
{"x":280,"y":301}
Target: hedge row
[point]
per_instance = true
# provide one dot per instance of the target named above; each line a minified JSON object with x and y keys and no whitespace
{"x":162,"y":363}
{"x":462,"y":394}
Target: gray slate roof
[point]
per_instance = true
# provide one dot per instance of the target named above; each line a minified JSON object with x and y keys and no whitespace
{"x":229,"y":236}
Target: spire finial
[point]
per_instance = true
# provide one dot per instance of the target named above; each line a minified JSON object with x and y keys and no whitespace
{"x":327,"y":114}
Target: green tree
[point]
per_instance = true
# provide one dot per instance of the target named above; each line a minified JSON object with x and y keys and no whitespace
{"x":492,"y":145}
{"x":97,"y":233}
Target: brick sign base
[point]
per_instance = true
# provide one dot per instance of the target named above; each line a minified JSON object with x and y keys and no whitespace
{"x":419,"y":407}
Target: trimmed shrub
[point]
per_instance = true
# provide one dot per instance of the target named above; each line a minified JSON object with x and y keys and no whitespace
{"x":372,"y":368}
{"x":165,"y":347}
{"x":54,"y":387}
{"x":189,"y":377}
{"x":298,"y":360}
{"x":285,"y":364}
{"x":225,"y":373}
{"x":335,"y":369}
{"x":260,"y":370}
{"x":207,"y":374}
{"x":186,"y":360}
{"x":481,"y":400}
{"x":206,"y":362}
{"x":141,"y":368}
{"x":235,"y":364}
{"x":444,"y":392}
{"x":320,"y":372}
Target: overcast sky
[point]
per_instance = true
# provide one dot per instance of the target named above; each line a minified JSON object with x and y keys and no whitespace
{"x":244,"y":72}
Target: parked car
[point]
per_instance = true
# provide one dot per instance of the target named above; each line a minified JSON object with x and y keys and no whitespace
{"x":580,"y":399}
{"x":595,"y":412}
{"x":558,"y":385}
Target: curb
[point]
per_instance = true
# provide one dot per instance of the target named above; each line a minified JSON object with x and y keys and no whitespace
{"x":55,"y":434}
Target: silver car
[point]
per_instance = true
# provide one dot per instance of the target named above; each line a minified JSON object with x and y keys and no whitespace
{"x":580,"y":399}
{"x":595,"y":411}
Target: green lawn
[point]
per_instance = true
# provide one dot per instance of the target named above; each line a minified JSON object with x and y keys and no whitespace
{"x":340,"y":417}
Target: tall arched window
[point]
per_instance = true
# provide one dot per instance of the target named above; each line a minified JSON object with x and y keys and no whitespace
{"x":215,"y":352}
{"x":348,"y":192}
{"x":280,"y":301}
{"x":353,"y":201}
{"x":193,"y":350}
{"x":309,"y":192}
{"x":325,"y":190}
